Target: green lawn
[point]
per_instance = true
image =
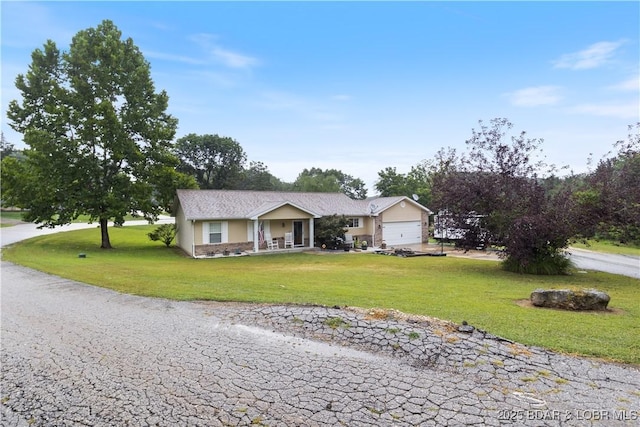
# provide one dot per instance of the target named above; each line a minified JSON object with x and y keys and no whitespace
{"x":608,"y":246}
{"x":445,"y":287}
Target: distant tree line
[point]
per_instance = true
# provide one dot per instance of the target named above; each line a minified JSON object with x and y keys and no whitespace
{"x":218,"y":162}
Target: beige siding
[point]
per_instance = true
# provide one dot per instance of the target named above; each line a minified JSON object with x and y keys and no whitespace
{"x":286,"y":212}
{"x":238,"y":231}
{"x":276,"y":228}
{"x":368,"y":225}
{"x":184,"y":237}
{"x":365,"y":231}
{"x":359,"y":230}
{"x":368,"y":232}
{"x":397,"y":213}
{"x":198,"y":232}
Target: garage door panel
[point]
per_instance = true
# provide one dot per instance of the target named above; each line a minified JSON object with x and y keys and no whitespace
{"x":402,"y":233}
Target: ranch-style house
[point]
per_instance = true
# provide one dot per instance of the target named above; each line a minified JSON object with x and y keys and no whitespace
{"x":212,"y":221}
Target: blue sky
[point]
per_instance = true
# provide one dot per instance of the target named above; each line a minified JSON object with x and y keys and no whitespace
{"x":361,"y":86}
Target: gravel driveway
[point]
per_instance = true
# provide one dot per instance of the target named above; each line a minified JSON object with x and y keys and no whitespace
{"x":74,"y":354}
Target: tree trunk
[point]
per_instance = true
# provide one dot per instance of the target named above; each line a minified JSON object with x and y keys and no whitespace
{"x":106,"y":243}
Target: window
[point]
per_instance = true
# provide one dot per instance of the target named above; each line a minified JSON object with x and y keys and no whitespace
{"x":215,"y":232}
{"x":353,"y":222}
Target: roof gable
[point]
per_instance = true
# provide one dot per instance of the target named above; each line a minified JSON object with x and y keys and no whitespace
{"x":270,"y":207}
{"x":381,"y":204}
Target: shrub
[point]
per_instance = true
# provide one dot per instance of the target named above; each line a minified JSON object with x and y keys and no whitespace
{"x":535,"y":246}
{"x":164,"y":233}
{"x":329,"y":231}
{"x":544,"y":265}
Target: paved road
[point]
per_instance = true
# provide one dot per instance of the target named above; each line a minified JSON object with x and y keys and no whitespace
{"x":74,"y":354}
{"x":626,"y":265}
{"x":16,"y":233}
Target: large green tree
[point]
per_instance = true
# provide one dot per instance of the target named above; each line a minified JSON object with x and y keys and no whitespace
{"x":97,"y":132}
{"x":215,"y":162}
{"x":415,"y":183}
{"x":258,"y":177}
{"x":328,"y":181}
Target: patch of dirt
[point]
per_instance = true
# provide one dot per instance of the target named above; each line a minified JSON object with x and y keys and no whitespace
{"x":526,"y":303}
{"x":451,"y":251}
{"x":391,"y":314}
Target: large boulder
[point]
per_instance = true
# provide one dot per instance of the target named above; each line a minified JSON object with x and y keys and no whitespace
{"x":568,"y":299}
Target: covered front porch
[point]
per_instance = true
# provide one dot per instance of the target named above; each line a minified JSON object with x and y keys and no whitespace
{"x":282,"y":234}
{"x":283,"y":226}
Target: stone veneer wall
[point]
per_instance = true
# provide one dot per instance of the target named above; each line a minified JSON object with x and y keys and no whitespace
{"x":425,"y":227}
{"x":218,"y":248}
{"x":377,"y":229}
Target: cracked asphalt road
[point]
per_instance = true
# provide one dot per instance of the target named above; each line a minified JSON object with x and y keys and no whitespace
{"x":74,"y":355}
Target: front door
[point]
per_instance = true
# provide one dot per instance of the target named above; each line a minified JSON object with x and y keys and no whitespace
{"x":298,"y":234}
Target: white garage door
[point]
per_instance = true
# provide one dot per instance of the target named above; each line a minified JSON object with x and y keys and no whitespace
{"x":402,"y":233}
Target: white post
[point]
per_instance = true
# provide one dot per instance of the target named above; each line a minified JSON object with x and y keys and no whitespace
{"x":373,"y":230}
{"x":311,"y":236}
{"x":193,"y":238}
{"x":256,"y":238}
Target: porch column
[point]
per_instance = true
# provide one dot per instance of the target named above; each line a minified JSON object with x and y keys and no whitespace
{"x":311,"y":236}
{"x":256,"y":236}
{"x":193,"y":238}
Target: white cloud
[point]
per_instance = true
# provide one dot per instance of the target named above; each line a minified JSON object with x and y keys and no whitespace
{"x":234,"y":59}
{"x":535,"y":96}
{"x":228,"y":57}
{"x":593,"y":56}
{"x":630,"y":85}
{"x":621,"y":111}
{"x":341,"y":97}
{"x":172,"y":58}
{"x":224,"y":80}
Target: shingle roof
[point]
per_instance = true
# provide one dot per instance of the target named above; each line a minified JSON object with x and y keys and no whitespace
{"x":381,"y":204}
{"x":230,"y":204}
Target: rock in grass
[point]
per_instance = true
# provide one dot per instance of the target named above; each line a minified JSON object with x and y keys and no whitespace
{"x":568,"y":299}
{"x":466,"y":327}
